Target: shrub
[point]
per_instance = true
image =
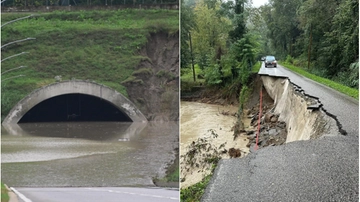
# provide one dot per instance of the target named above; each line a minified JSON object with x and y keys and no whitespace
{"x":289,"y":59}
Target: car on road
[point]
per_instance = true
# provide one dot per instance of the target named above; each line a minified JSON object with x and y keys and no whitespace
{"x":270,"y":61}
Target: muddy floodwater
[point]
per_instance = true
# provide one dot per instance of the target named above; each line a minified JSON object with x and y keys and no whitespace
{"x":86,"y":154}
{"x":196,"y":121}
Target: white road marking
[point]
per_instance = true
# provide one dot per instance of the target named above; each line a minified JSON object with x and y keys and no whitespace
{"x":20,"y":195}
{"x":132,"y":193}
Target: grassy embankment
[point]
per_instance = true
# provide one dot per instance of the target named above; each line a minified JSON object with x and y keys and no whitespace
{"x":339,"y":87}
{"x":4,"y":193}
{"x":101,"y":46}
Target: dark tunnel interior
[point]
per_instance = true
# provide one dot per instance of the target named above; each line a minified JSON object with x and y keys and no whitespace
{"x":74,"y":107}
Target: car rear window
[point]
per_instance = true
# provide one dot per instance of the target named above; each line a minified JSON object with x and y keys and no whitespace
{"x":270,"y":58}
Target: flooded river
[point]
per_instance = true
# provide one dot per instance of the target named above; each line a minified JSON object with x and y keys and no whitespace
{"x":196,"y":121}
{"x":87,"y":154}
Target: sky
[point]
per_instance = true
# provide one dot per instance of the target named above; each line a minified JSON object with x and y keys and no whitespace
{"x":258,"y":3}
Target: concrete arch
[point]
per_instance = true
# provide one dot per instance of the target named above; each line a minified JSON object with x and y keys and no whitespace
{"x":69,"y":87}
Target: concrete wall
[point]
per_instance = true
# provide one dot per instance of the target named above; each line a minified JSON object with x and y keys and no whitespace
{"x":74,"y":86}
{"x":293,"y":105}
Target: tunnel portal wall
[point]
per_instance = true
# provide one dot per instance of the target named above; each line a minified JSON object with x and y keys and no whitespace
{"x":69,"y":87}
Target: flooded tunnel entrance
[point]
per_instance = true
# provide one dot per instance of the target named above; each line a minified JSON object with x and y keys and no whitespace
{"x":74,"y":100}
{"x":74,"y":107}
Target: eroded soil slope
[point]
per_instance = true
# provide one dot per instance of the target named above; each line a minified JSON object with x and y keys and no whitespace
{"x":154,"y":86}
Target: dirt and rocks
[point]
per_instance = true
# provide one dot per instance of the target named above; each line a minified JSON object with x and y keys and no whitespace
{"x":272,"y":132}
{"x":154,"y":85}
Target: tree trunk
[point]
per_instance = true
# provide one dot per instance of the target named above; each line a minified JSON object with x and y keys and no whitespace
{"x":309,"y":50}
{"x":192,"y":58}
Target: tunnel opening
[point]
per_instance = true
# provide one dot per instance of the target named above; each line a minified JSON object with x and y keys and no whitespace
{"x":74,"y":108}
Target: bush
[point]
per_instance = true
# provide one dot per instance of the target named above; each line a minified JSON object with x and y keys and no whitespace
{"x":289,"y":59}
{"x":213,"y":75}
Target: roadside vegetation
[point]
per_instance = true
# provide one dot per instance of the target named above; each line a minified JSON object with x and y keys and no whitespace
{"x":320,"y":36}
{"x":352,"y":92}
{"x":195,"y":192}
{"x":83,"y":3}
{"x":4,"y":193}
{"x":171,"y":178}
{"x":222,"y":43}
{"x":100,"y":46}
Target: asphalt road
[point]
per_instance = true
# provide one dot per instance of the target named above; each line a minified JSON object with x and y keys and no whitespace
{"x":325,"y":169}
{"x":345,"y":108}
{"x":98,"y":194}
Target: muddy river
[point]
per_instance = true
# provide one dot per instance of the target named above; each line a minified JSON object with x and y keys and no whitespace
{"x":196,"y":121}
{"x":87,"y":154}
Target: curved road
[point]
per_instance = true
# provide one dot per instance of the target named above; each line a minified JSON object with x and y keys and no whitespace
{"x":325,"y":169}
{"x":106,"y":194}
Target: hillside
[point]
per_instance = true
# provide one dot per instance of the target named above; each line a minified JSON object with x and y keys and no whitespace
{"x":108,"y":47}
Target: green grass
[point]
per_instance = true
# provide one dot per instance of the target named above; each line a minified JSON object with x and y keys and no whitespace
{"x":4,"y":193}
{"x":173,"y":171}
{"x":339,"y":87}
{"x":174,"y":176}
{"x":101,"y":46}
{"x":187,"y":79}
{"x":194,"y":193}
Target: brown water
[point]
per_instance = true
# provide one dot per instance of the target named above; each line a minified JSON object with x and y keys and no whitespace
{"x":87,"y":154}
{"x":196,"y":121}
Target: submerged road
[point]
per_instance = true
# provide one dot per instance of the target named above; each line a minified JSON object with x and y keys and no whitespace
{"x":108,"y":194}
{"x":325,"y":169}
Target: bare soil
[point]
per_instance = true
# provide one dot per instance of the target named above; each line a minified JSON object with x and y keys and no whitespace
{"x":154,"y":88}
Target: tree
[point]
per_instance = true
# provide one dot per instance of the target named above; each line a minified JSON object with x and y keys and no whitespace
{"x":210,"y":36}
{"x":282,"y":23}
{"x":325,"y":32}
{"x":238,"y":21}
{"x":340,"y":45}
{"x":257,"y":29}
{"x":315,"y":19}
{"x":187,"y":25}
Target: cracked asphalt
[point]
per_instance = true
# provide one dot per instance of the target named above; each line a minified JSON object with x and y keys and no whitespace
{"x":325,"y":169}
